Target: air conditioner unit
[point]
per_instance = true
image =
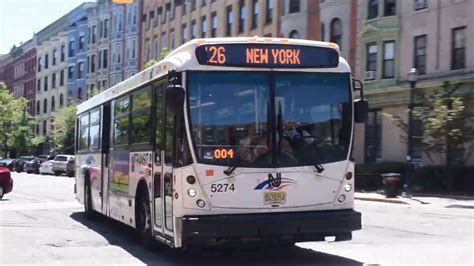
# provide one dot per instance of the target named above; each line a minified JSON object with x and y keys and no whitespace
{"x":369,"y":75}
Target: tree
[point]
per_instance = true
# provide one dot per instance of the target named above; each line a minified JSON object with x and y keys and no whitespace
{"x":16,"y":124}
{"x":163,"y":54}
{"x":64,"y":129}
{"x":446,"y":125}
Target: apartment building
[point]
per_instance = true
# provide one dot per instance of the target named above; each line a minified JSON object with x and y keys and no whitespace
{"x":299,"y":19}
{"x":19,"y":72}
{"x":167,"y":24}
{"x":436,"y":38}
{"x":51,"y":82}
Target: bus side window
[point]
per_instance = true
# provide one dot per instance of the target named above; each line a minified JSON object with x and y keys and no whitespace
{"x":169,"y":137}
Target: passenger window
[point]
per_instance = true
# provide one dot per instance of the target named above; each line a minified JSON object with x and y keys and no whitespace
{"x":84,"y":132}
{"x":141,"y":116}
{"x":94,"y":137}
{"x":159,"y":118}
{"x":121,"y":120}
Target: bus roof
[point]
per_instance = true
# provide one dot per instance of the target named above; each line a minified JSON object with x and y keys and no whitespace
{"x":183,"y":58}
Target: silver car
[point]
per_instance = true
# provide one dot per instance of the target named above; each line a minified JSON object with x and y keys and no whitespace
{"x":63,"y":164}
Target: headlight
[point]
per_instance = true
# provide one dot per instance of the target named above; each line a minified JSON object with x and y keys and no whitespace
{"x":347,"y":187}
{"x":192,"y":192}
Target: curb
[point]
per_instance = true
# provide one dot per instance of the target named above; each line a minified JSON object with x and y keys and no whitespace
{"x":386,"y":200}
{"x":459,"y":206}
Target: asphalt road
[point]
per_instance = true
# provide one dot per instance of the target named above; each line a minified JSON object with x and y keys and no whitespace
{"x":41,"y":223}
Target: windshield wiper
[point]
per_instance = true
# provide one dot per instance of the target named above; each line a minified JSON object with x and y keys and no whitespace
{"x":319,"y":167}
{"x":236,"y":164}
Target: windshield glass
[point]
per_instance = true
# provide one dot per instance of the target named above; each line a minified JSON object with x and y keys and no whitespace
{"x":229,"y":113}
{"x":232,"y":121}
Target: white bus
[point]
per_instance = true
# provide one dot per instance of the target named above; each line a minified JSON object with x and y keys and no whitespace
{"x":226,"y":140}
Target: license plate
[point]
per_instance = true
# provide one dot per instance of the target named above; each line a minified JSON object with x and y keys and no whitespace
{"x":275,"y":197}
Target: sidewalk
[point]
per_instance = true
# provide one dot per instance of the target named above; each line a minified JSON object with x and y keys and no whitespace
{"x":434,"y":200}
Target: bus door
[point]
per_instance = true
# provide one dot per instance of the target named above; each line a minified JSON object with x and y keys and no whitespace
{"x":158,"y":210}
{"x":105,"y":145}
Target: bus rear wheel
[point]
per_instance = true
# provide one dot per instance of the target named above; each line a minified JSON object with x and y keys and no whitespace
{"x":89,"y":211}
{"x":143,"y":217}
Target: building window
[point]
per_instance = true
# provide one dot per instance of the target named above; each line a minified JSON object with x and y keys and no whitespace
{"x":93,"y":63}
{"x":390,"y":7}
{"x":203,"y":27}
{"x":269,"y":11}
{"x":45,"y":106}
{"x":70,"y":73}
{"x":163,"y":41}
{"x":323,"y":32}
{"x":45,"y":83}
{"x":184,"y":33}
{"x":39,"y":64}
{"x":458,"y":55}
{"x":420,"y":54}
{"x":79,"y":93}
{"x":45,"y":124}
{"x":105,"y":58}
{"x":46,"y":61}
{"x":61,"y":100}
{"x":38,"y":87}
{"x":55,"y":54}
{"x":388,"y":59}
{"x":82,"y":40}
{"x":203,"y":2}
{"x":167,"y":11}
{"x":80,"y":70}
{"x":193,"y":5}
{"x":294,"y":34}
{"x":193,"y":29}
{"x":371,"y":64}
{"x":336,"y":32}
{"x":214,"y":24}
{"x":63,"y":53}
{"x":373,"y":136}
{"x":184,"y":8}
{"x":241,"y":16}
{"x":53,"y":104}
{"x":94,"y":33}
{"x":53,"y":81}
{"x":255,"y":14}
{"x":420,"y":4}
{"x":106,"y":28}
{"x":172,"y":39}
{"x":229,"y":17}
{"x":61,"y":78}
{"x":71,"y":47}
{"x":294,"y":6}
{"x":38,"y":107}
{"x":373,"y":9}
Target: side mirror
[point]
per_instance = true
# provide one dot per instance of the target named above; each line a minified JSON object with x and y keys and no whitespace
{"x":361,"y":110}
{"x":174,"y":97}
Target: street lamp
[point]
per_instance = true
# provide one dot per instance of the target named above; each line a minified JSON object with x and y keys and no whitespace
{"x":412,"y":77}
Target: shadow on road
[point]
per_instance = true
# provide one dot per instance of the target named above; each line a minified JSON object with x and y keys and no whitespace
{"x":123,"y":236}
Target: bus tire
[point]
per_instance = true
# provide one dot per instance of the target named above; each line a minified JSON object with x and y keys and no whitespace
{"x":143,"y":216}
{"x":88,"y":210}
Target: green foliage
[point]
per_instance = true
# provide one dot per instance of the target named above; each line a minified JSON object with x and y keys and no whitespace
{"x":163,"y":54}
{"x":432,"y":178}
{"x":94,"y":91}
{"x":64,"y":129}
{"x":15,"y":124}
{"x":445,"y":122}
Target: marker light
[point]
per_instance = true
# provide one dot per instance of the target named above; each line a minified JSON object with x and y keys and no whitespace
{"x":192,"y":192}
{"x":347,"y":187}
{"x":200,"y":203}
{"x":191,"y":179}
{"x":341,"y":198}
{"x":349,"y":175}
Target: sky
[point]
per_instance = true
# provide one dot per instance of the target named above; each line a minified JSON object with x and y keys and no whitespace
{"x":19,"y":19}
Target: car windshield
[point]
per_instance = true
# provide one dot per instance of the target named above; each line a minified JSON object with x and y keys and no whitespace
{"x":267,"y":119}
{"x":60,"y":158}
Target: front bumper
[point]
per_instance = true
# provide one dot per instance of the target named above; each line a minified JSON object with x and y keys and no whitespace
{"x":294,"y":226}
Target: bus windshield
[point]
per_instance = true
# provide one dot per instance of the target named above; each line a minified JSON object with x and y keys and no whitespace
{"x":270,"y":119}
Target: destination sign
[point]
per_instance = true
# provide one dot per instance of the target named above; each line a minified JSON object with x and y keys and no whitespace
{"x":267,"y":55}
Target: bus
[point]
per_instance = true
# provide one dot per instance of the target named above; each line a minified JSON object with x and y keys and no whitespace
{"x":226,"y":140}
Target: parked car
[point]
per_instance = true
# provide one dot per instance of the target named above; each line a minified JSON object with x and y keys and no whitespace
{"x":19,"y":164}
{"x":60,"y":165}
{"x":6,"y":181}
{"x":34,"y":165}
{"x":46,"y":168}
{"x":7,"y":163}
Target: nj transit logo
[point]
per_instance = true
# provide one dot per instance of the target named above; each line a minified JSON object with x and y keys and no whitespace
{"x":269,"y":185}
